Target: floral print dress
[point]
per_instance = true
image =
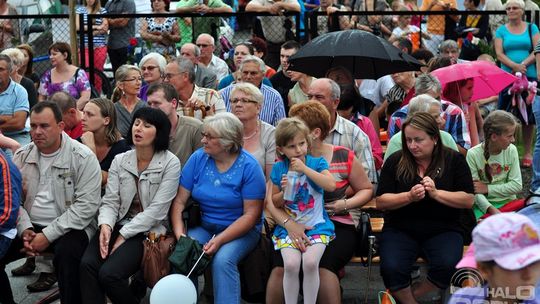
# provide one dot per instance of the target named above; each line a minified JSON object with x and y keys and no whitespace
{"x":74,"y":86}
{"x":166,"y":26}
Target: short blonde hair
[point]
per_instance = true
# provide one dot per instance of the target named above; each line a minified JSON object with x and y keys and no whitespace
{"x":519,"y":3}
{"x":250,"y":90}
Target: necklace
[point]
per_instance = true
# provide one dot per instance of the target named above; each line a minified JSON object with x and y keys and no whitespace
{"x":253,"y":134}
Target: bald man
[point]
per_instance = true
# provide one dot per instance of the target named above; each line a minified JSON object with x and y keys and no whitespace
{"x":204,"y":77}
{"x":206,"y":44}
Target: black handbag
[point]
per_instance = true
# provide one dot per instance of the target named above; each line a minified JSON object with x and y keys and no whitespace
{"x":363,"y":232}
{"x":192,"y":213}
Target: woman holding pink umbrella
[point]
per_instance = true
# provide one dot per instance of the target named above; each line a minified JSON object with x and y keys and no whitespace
{"x":465,"y":83}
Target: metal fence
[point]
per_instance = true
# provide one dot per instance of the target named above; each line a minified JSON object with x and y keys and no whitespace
{"x":223,"y":27}
{"x":318,"y":23}
{"x":40,"y":31}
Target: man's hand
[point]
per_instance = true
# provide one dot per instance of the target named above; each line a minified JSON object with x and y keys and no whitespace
{"x":275,"y":9}
{"x":27,"y":237}
{"x":39,"y":243}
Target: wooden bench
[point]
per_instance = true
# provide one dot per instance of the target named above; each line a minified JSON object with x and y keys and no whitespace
{"x":369,"y":205}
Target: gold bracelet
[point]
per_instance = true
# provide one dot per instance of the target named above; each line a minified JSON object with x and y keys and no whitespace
{"x":345,"y":210}
{"x":285,"y":221}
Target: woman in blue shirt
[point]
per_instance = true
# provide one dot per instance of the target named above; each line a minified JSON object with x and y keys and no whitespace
{"x":230,"y":186}
{"x":514,"y":43}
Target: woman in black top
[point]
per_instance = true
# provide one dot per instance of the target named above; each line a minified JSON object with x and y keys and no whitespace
{"x":422,"y":190}
{"x":100,"y":133}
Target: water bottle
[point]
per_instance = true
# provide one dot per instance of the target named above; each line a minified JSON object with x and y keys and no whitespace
{"x":292,"y":185}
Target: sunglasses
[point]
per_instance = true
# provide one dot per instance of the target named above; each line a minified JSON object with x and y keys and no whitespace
{"x":149,"y":68}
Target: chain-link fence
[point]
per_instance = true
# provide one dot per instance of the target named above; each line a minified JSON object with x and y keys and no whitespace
{"x":424,"y":29}
{"x":38,"y":31}
{"x":228,"y":29}
{"x":141,"y":34}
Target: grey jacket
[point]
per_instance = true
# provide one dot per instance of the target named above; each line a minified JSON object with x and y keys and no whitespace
{"x":76,"y":188}
{"x":157,"y":186}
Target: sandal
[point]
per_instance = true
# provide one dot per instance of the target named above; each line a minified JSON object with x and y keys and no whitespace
{"x":25,"y":269}
{"x":44,"y":282}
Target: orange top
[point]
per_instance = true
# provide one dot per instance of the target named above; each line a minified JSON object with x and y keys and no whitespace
{"x":435,"y":23}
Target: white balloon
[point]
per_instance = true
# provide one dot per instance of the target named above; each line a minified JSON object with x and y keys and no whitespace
{"x":174,"y":289}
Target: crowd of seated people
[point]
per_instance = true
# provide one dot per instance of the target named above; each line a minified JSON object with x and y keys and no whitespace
{"x":99,"y":174}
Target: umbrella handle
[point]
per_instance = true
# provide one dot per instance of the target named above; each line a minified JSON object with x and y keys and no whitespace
{"x":199,"y":259}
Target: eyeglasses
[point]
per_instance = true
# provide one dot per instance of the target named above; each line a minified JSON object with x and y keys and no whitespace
{"x":208,"y":136}
{"x":243,"y":100}
{"x":168,"y":76}
{"x":155,"y":0}
{"x":150,"y":68}
{"x":201,"y":45}
{"x":512,"y":8}
{"x":134,"y":79}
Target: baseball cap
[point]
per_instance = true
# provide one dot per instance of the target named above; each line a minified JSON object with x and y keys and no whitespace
{"x":510,"y":239}
{"x":468,"y":260}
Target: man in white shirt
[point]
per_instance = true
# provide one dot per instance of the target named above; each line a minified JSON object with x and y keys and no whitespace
{"x":206,"y":44}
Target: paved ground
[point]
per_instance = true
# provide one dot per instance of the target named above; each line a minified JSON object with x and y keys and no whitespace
{"x":353,"y":286}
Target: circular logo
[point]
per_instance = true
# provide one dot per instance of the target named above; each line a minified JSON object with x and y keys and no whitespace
{"x":466,"y":277}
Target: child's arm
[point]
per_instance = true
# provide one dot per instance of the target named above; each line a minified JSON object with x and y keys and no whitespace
{"x":8,"y":143}
{"x":324,"y":179}
{"x":513,"y":184}
{"x":277,"y":195}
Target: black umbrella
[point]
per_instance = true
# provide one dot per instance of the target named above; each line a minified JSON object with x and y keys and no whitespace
{"x":365,"y":55}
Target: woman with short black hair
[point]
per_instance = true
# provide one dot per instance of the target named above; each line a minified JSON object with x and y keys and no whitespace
{"x":141,"y":185}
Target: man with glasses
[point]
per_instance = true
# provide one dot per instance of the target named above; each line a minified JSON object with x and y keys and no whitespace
{"x":344,"y":132}
{"x":252,"y":70}
{"x":186,"y":131}
{"x":207,"y":58}
{"x":194,"y":100}
{"x":203,"y":77}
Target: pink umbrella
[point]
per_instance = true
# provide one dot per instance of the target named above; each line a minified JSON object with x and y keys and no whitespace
{"x":489,"y":79}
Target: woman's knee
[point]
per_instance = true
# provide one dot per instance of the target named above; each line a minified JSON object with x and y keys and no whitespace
{"x":223,"y":261}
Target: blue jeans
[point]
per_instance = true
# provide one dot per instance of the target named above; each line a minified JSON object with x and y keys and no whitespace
{"x":535,"y":182}
{"x":4,"y":245}
{"x":399,"y":251}
{"x":226,"y":278}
